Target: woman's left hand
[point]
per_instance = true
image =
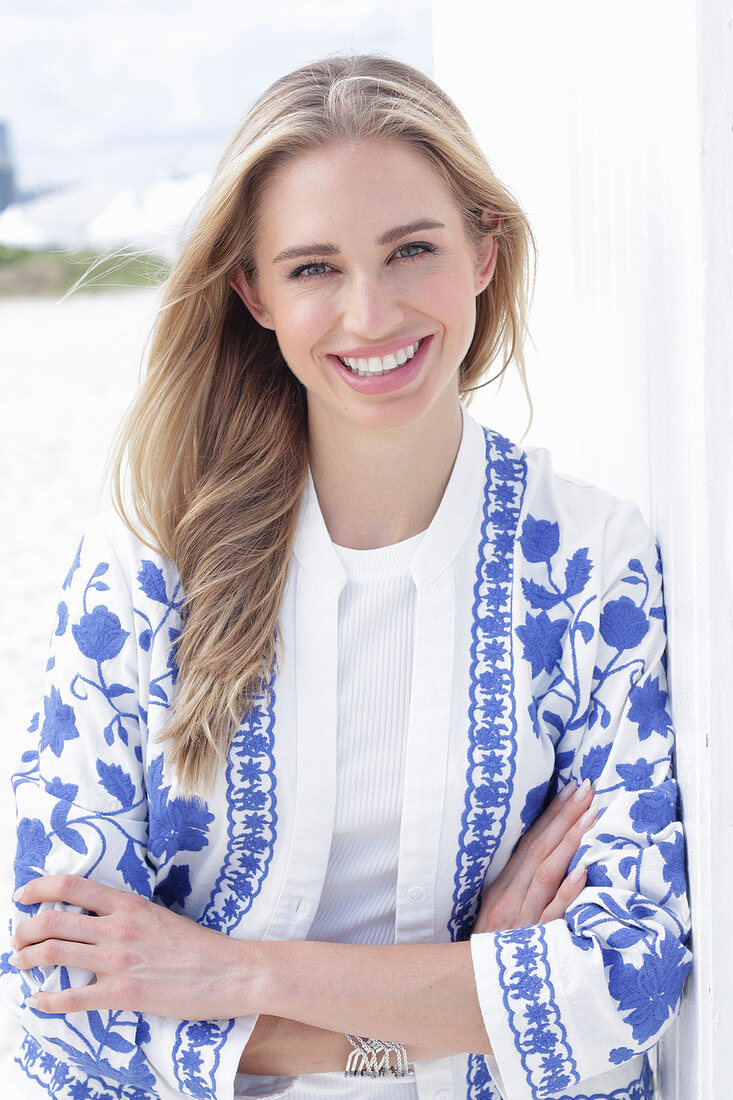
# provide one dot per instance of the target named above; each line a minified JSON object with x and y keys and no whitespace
{"x":533,"y":888}
{"x":146,"y":958}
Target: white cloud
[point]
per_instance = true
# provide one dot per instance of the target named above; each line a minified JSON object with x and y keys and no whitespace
{"x":128,"y":91}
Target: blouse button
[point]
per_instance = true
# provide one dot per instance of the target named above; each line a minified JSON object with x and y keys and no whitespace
{"x":416,"y":893}
{"x":442,"y":1094}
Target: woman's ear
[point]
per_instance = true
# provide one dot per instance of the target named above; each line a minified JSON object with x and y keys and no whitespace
{"x":488,"y":254}
{"x":241,"y":284}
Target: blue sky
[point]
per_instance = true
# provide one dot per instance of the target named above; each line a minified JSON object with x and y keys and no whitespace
{"x":132,"y":90}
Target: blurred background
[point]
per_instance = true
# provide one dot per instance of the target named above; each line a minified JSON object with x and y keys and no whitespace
{"x":612,"y":124}
{"x":112,"y":117}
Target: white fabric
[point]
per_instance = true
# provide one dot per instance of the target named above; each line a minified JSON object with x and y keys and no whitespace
{"x":375,"y":629}
{"x":538,"y":654}
{"x":357,"y":903}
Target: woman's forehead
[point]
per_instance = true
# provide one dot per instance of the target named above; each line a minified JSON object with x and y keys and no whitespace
{"x":372,"y":185}
{"x":365,"y":153}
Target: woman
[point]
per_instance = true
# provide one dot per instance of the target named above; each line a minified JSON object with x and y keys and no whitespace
{"x":347,"y":648}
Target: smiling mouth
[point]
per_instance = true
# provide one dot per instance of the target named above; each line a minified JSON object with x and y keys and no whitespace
{"x":378,"y":365}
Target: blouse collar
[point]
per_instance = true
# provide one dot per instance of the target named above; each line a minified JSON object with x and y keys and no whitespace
{"x":440,"y":542}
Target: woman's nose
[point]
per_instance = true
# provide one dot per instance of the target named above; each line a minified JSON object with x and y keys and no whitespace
{"x":370,"y":308}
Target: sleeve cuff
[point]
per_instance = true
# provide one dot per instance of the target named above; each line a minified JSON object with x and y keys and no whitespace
{"x":226,"y":1074}
{"x":521,"y":1015}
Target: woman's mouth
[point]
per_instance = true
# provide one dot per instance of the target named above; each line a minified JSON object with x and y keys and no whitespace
{"x":384,"y":373}
{"x":376,"y":366}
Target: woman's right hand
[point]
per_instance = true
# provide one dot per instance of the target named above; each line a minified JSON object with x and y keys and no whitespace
{"x":534,"y":888}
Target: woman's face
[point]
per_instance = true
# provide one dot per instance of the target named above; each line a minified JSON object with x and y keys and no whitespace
{"x":363,"y":264}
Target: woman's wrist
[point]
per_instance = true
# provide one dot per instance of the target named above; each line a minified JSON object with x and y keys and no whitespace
{"x":255,"y":975}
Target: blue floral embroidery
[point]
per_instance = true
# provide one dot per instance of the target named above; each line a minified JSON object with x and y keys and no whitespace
{"x":533,"y":1015}
{"x":649,"y":709}
{"x":557,"y":628}
{"x":623,"y":625}
{"x":619,"y":1055}
{"x":492,"y":719}
{"x":176,"y":824}
{"x":175,"y":887}
{"x":649,"y":993}
{"x":480,"y":1084}
{"x":542,"y":638}
{"x":637,"y":776}
{"x":674,"y":864}
{"x":535,"y":803}
{"x":32,"y":848}
{"x":540,"y":540}
{"x":197,"y":1054}
{"x":151,"y":583}
{"x":59,"y":722}
{"x":62,"y":612}
{"x":595,"y":761}
{"x":63,"y":1081}
{"x":654,"y":810}
{"x":640,"y":1089}
{"x":108,"y":1048}
{"x":74,"y":566}
{"x":251,"y":831}
{"x":99,"y":635}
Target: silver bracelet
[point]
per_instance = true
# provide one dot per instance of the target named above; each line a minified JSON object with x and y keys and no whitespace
{"x":371,"y":1058}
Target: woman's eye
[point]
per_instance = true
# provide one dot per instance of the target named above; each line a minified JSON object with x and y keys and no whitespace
{"x":412,"y":251}
{"x":423,"y":248}
{"x":307,"y":271}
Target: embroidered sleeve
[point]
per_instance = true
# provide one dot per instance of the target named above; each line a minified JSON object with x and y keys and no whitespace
{"x":583,"y":995}
{"x":84,"y":792}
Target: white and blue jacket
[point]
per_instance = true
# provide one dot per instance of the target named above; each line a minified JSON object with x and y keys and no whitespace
{"x":539,"y":655}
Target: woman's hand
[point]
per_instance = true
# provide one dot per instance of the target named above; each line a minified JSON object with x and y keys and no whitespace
{"x":146,"y":958}
{"x":532,"y":887}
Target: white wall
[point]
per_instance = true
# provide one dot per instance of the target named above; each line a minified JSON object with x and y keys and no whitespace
{"x":613,"y":125}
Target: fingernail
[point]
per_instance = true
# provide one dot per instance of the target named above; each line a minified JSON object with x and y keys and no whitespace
{"x":18,"y":895}
{"x":577,"y":873}
{"x":13,"y":960}
{"x":582,"y":791}
{"x":588,"y":817}
{"x":567,"y":790}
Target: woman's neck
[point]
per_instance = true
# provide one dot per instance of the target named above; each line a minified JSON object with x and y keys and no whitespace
{"x":376,"y":488}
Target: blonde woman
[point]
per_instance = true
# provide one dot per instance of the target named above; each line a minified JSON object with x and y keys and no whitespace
{"x":353,"y":771}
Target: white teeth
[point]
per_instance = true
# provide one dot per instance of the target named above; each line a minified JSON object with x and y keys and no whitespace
{"x":374,"y":365}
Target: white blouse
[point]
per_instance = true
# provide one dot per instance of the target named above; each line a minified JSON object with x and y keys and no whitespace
{"x":538,"y":655}
{"x":357,"y":903}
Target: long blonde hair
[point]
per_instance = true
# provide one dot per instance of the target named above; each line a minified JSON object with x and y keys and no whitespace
{"x":216,"y":442}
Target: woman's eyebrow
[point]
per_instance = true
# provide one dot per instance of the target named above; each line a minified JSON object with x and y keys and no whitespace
{"x":331,"y":250}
